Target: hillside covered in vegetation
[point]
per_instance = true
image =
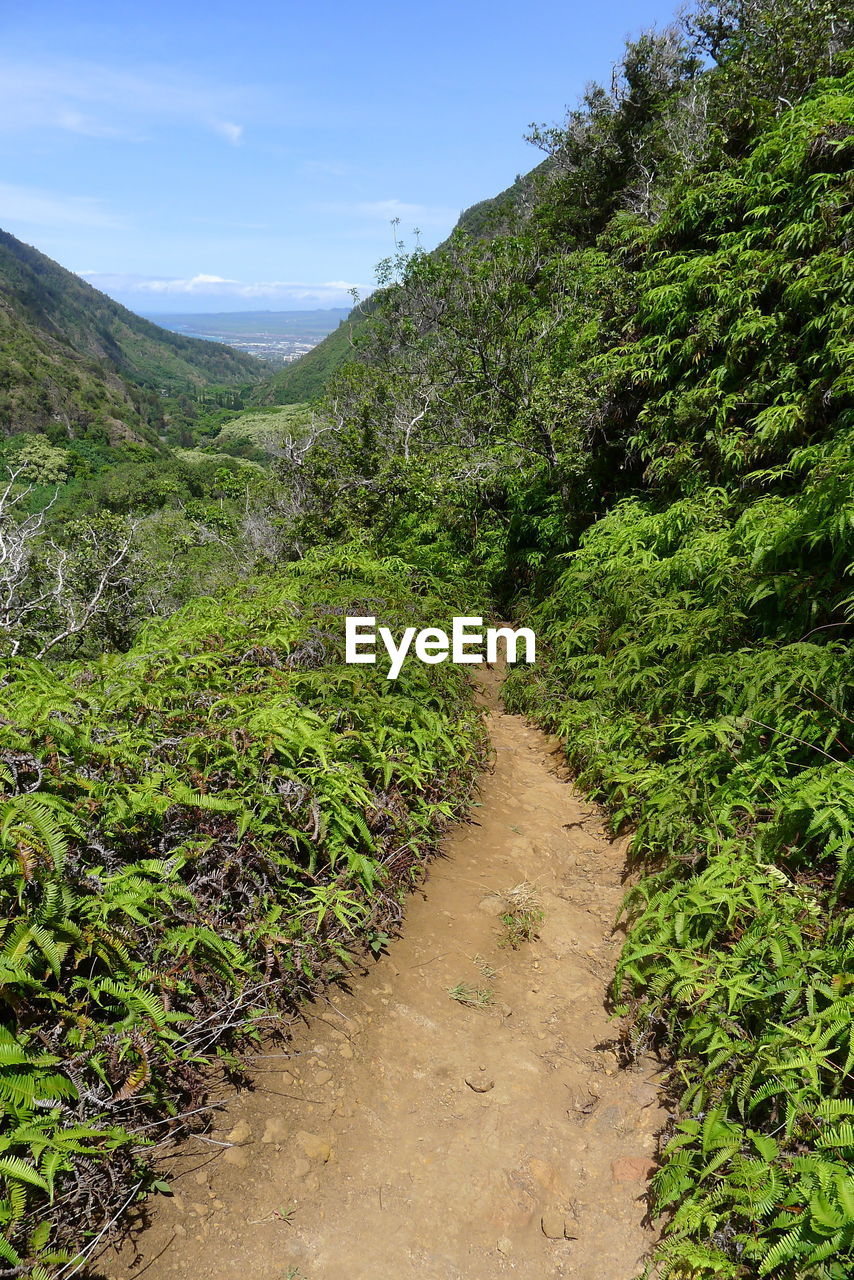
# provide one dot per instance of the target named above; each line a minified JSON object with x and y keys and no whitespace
{"x":74,"y":363}
{"x":624,"y":416}
{"x":304,"y":379}
{"x":630,"y":420}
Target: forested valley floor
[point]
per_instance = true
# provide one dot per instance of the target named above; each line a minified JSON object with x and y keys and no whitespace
{"x":617,"y":406}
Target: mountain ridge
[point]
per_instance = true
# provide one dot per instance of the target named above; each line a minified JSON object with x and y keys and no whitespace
{"x":73,"y":361}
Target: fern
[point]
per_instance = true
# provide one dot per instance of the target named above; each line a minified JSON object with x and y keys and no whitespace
{"x":142,"y":905}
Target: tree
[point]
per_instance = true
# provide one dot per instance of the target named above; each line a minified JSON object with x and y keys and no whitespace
{"x":50,"y":593}
{"x":40,"y":462}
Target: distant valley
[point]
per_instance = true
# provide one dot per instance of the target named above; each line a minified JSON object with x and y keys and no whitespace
{"x":276,"y":336}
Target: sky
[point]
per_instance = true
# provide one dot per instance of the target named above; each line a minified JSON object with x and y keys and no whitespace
{"x":190,"y":156}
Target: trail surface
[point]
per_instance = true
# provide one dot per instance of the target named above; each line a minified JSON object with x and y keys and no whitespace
{"x":408,"y":1136}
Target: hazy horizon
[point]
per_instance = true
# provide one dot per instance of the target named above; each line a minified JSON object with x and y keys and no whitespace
{"x":243,"y":311}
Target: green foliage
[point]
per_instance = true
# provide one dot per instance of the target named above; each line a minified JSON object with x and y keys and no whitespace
{"x":769,"y":54}
{"x":700,"y":674}
{"x":255,"y":432}
{"x":38,"y":462}
{"x":727,"y":753}
{"x":746,"y":314}
{"x":192,"y":835}
{"x":619,"y":398}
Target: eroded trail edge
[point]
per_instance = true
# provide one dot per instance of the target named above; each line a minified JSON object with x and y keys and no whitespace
{"x":408,"y":1134}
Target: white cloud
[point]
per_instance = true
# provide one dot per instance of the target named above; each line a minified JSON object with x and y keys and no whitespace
{"x":194,"y":285}
{"x":232,"y":133}
{"x":40,"y":208}
{"x":105,"y":102}
{"x":411,"y":215}
{"x":77,"y":122}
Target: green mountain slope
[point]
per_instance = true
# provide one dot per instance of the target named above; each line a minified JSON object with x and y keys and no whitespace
{"x":71,"y":358}
{"x":500,"y":214}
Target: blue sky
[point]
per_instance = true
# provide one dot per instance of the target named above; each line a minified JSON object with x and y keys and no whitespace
{"x":191,"y":156}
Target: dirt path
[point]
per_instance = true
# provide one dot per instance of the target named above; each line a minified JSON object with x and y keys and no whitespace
{"x":412,"y":1136}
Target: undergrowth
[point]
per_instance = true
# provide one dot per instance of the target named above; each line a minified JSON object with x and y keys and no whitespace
{"x":521,"y":917}
{"x":193,"y":835}
{"x":701,"y":678}
{"x":631,"y":416}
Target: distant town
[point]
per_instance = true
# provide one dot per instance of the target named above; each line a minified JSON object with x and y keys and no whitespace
{"x":276,"y":336}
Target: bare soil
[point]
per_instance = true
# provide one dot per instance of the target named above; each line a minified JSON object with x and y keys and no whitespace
{"x":405,"y":1134}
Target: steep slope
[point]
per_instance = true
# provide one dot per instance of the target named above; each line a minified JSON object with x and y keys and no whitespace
{"x":71,"y":358}
{"x":499,"y":214}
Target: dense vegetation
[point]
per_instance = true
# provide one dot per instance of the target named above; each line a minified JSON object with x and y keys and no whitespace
{"x":618,"y":402}
{"x":631,"y":419}
{"x":191,"y":835}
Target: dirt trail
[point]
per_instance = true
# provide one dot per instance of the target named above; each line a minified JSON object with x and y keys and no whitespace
{"x":368,"y":1155}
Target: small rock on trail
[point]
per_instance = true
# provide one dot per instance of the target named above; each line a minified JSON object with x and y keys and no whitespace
{"x":451,"y":1141}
